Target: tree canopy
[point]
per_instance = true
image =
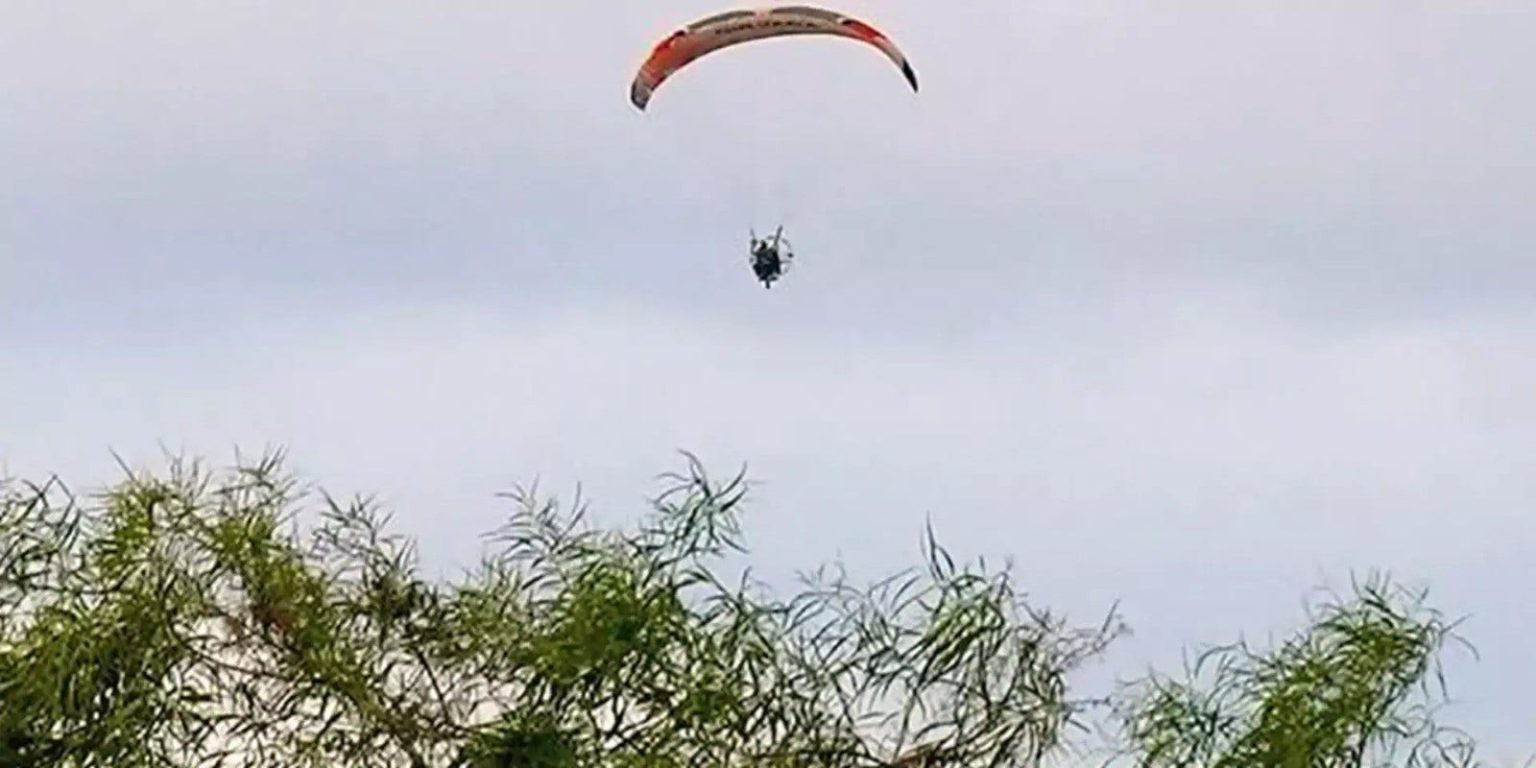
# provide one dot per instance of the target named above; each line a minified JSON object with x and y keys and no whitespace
{"x":235,"y":618}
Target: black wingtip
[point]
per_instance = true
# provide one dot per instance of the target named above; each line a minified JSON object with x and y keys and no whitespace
{"x":906,"y":69}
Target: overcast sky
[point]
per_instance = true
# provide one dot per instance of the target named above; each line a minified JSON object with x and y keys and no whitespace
{"x":1195,"y":305}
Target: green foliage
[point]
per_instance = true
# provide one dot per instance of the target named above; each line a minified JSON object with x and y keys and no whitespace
{"x":1358,"y":687}
{"x":188,"y":620}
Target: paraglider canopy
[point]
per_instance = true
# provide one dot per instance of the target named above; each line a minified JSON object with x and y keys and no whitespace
{"x":732,"y":28}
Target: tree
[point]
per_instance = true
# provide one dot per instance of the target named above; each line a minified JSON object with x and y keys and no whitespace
{"x":187,"y":619}
{"x":1359,"y":686}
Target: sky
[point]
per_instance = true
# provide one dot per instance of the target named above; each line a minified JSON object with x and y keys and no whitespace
{"x":1192,"y":305}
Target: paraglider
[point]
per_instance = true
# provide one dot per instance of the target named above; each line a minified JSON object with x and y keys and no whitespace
{"x":734,"y":28}
{"x":770,"y":257}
